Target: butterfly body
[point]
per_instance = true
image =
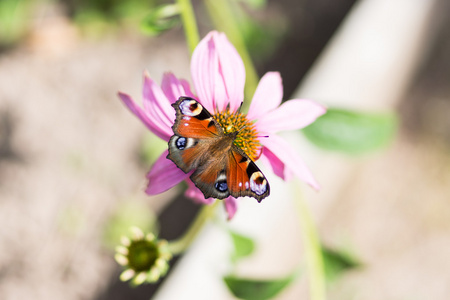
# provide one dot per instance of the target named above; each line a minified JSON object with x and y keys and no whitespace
{"x":220,"y":168}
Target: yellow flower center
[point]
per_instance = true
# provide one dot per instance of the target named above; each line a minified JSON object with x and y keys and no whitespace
{"x":247,"y":137}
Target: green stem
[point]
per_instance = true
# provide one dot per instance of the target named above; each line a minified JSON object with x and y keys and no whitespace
{"x":224,"y":19}
{"x":189,"y":23}
{"x":313,"y":250}
{"x":206,"y":213}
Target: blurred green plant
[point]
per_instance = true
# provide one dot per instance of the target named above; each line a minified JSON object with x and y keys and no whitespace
{"x":14,"y":20}
{"x":250,"y":288}
{"x":352,"y":132}
{"x":96,"y":17}
{"x":160,"y":19}
{"x":337,"y":262}
{"x":243,"y":246}
{"x":261,"y":37}
{"x":257,"y":289}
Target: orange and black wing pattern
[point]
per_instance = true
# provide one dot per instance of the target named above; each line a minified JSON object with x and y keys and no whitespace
{"x":244,"y":178}
{"x":193,"y":120}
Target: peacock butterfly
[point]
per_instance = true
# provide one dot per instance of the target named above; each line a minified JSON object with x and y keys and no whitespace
{"x":220,"y":168}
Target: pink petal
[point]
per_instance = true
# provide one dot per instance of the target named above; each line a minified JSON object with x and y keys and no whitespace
{"x":268,"y":95}
{"x":293,"y":114}
{"x":230,"y":206}
{"x":195,"y":194}
{"x":156,"y":104}
{"x":161,"y":130}
{"x":284,"y":159}
{"x":174,"y":88}
{"x":218,"y":73}
{"x":269,"y":159}
{"x":163,"y":175}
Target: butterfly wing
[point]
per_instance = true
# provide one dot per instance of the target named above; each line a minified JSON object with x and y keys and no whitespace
{"x":195,"y":129}
{"x":244,"y":178}
{"x":194,"y":121}
{"x":211,"y":179}
{"x":233,"y":174}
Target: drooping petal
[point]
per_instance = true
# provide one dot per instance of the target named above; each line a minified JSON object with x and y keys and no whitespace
{"x":267,"y":97}
{"x":156,"y":103}
{"x":293,"y":114}
{"x":270,"y":159}
{"x":161,"y":130}
{"x":218,"y":73}
{"x":163,"y":175}
{"x":230,"y":206}
{"x":174,"y":88}
{"x":284,"y":159}
{"x":194,"y":193}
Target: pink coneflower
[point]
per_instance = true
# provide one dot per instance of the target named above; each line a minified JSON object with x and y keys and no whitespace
{"x":218,"y":76}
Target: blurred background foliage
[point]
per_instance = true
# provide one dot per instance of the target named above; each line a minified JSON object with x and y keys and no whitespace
{"x":15,"y":20}
{"x":151,"y":17}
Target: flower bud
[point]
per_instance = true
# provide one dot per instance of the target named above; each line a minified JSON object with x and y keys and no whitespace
{"x":143,"y":256}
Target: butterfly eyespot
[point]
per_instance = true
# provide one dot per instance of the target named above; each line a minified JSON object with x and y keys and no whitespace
{"x":221,"y":186}
{"x":181,"y":143}
{"x":190,"y":107}
{"x":258,"y":183}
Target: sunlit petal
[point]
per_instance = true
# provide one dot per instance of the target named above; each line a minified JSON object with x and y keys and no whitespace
{"x":284,"y":159}
{"x":218,"y":73}
{"x":268,"y":95}
{"x":163,"y":175}
{"x":291,"y":115}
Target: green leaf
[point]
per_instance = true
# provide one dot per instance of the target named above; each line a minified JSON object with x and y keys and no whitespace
{"x":243,"y":246}
{"x":337,"y":262}
{"x":250,"y":289}
{"x":161,"y":19}
{"x":14,"y":20}
{"x":352,"y":132}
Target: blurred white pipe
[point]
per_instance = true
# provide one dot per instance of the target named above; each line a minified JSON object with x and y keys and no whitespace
{"x":367,"y":65}
{"x":371,"y":58}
